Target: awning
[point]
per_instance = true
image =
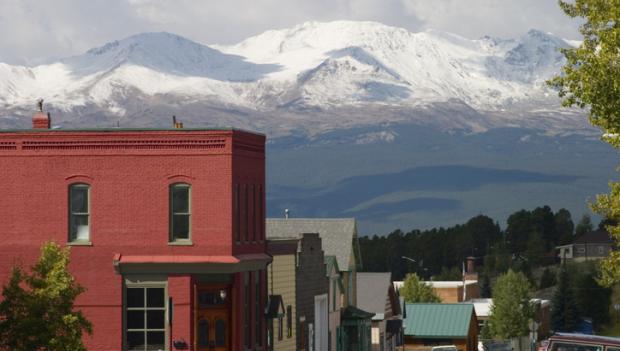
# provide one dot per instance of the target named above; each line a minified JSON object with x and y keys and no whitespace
{"x":169,"y":264}
{"x":352,"y":312}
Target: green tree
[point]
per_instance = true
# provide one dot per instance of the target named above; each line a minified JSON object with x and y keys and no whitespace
{"x":36,"y":312}
{"x":584,"y":225}
{"x":564,"y":315}
{"x":564,"y":226}
{"x":511,"y":310}
{"x":590,"y":79}
{"x":452,"y":274}
{"x":592,"y":299}
{"x":547,"y":279}
{"x":485,"y":285}
{"x":414,"y":290}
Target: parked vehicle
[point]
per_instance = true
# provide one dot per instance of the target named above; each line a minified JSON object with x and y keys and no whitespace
{"x":444,"y":348}
{"x":582,"y":342}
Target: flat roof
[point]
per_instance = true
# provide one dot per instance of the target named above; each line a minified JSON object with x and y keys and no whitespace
{"x":140,"y":129}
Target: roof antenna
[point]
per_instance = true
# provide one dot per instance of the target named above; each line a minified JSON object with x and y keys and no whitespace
{"x":286,"y":211}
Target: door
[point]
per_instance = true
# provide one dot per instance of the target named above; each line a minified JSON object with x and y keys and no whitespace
{"x":212,"y":318}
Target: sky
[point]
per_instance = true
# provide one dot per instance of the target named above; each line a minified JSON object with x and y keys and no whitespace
{"x":36,"y":31}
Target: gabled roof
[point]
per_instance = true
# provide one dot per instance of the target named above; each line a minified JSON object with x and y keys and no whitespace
{"x":372,"y":292}
{"x":352,"y":312}
{"x":336,"y":234}
{"x":438,"y":320}
{"x":595,"y":237}
{"x":330,"y":264}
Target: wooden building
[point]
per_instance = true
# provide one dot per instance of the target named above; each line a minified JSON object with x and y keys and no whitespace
{"x":436,"y":324}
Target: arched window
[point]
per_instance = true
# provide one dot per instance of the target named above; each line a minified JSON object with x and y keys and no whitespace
{"x":180,"y":212}
{"x":79,"y":212}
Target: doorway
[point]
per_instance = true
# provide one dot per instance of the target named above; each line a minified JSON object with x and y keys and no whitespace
{"x":212,"y":318}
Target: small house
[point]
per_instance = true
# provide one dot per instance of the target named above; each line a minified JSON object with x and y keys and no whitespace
{"x":436,"y":324}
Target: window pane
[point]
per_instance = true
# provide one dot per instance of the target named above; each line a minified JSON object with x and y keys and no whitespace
{"x":79,"y":227}
{"x":155,"y":341}
{"x":135,"y":319}
{"x":180,"y":199}
{"x":155,"y":319}
{"x":135,"y":340}
{"x":79,"y":199}
{"x":135,"y":297}
{"x":220,"y":333}
{"x":180,"y":226}
{"x":203,"y":333}
{"x":155,"y":297}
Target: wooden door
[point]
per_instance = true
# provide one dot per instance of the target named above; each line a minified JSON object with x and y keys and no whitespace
{"x":212,"y":318}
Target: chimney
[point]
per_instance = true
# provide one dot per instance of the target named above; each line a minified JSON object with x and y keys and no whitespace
{"x":40,"y":119}
{"x":470,"y":273}
{"x":176,"y":125}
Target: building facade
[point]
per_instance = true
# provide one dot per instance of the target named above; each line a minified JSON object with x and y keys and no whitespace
{"x":166,"y":229}
{"x":376,"y":294}
{"x":594,"y":245}
{"x":281,"y":281}
{"x":312,"y":295}
{"x":438,"y":324}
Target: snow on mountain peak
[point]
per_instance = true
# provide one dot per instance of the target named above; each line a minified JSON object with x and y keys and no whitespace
{"x":314,"y":64}
{"x":166,"y":53}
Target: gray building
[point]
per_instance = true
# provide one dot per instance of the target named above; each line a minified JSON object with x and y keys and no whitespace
{"x":593,"y":245}
{"x":376,"y":294}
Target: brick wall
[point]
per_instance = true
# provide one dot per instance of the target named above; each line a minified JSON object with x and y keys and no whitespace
{"x":311,"y":280}
{"x":129,"y":174}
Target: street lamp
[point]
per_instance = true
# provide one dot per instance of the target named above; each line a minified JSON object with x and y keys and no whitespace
{"x":408,"y":259}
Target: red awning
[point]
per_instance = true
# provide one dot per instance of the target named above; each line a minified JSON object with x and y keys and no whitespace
{"x":189,"y":263}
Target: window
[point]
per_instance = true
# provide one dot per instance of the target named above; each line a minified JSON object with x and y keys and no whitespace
{"x":261,"y":214}
{"x":254,"y":213}
{"x":236,"y":215}
{"x":289,"y":321}
{"x":280,"y":328}
{"x":303,"y":337}
{"x":246,"y":229}
{"x":180,"y":212}
{"x":145,"y":318}
{"x":573,"y":346}
{"x":257,"y":315}
{"x":601,"y":250}
{"x":79,"y":212}
{"x":246,"y":307}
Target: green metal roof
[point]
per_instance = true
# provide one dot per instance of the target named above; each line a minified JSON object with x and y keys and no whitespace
{"x":438,"y":320}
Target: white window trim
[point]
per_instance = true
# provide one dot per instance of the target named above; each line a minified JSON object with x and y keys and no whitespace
{"x":146,"y":282}
{"x":171,"y":239}
{"x":74,"y":241}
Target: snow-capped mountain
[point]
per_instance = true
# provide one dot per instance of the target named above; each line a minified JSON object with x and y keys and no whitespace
{"x":309,"y":77}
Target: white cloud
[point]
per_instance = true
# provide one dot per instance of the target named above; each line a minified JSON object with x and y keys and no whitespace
{"x":36,"y":30}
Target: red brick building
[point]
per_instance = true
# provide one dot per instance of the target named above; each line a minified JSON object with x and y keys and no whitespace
{"x":166,"y":228}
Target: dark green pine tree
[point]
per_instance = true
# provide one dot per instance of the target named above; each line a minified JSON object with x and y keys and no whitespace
{"x":564,"y":315}
{"x":547,"y":279}
{"x":485,"y":286}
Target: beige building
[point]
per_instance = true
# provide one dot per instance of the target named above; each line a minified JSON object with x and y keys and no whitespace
{"x":335,"y":298}
{"x":281,"y":287}
{"x":451,"y":291}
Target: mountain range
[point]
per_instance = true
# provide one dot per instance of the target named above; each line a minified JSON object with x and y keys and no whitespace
{"x":330,"y":95}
